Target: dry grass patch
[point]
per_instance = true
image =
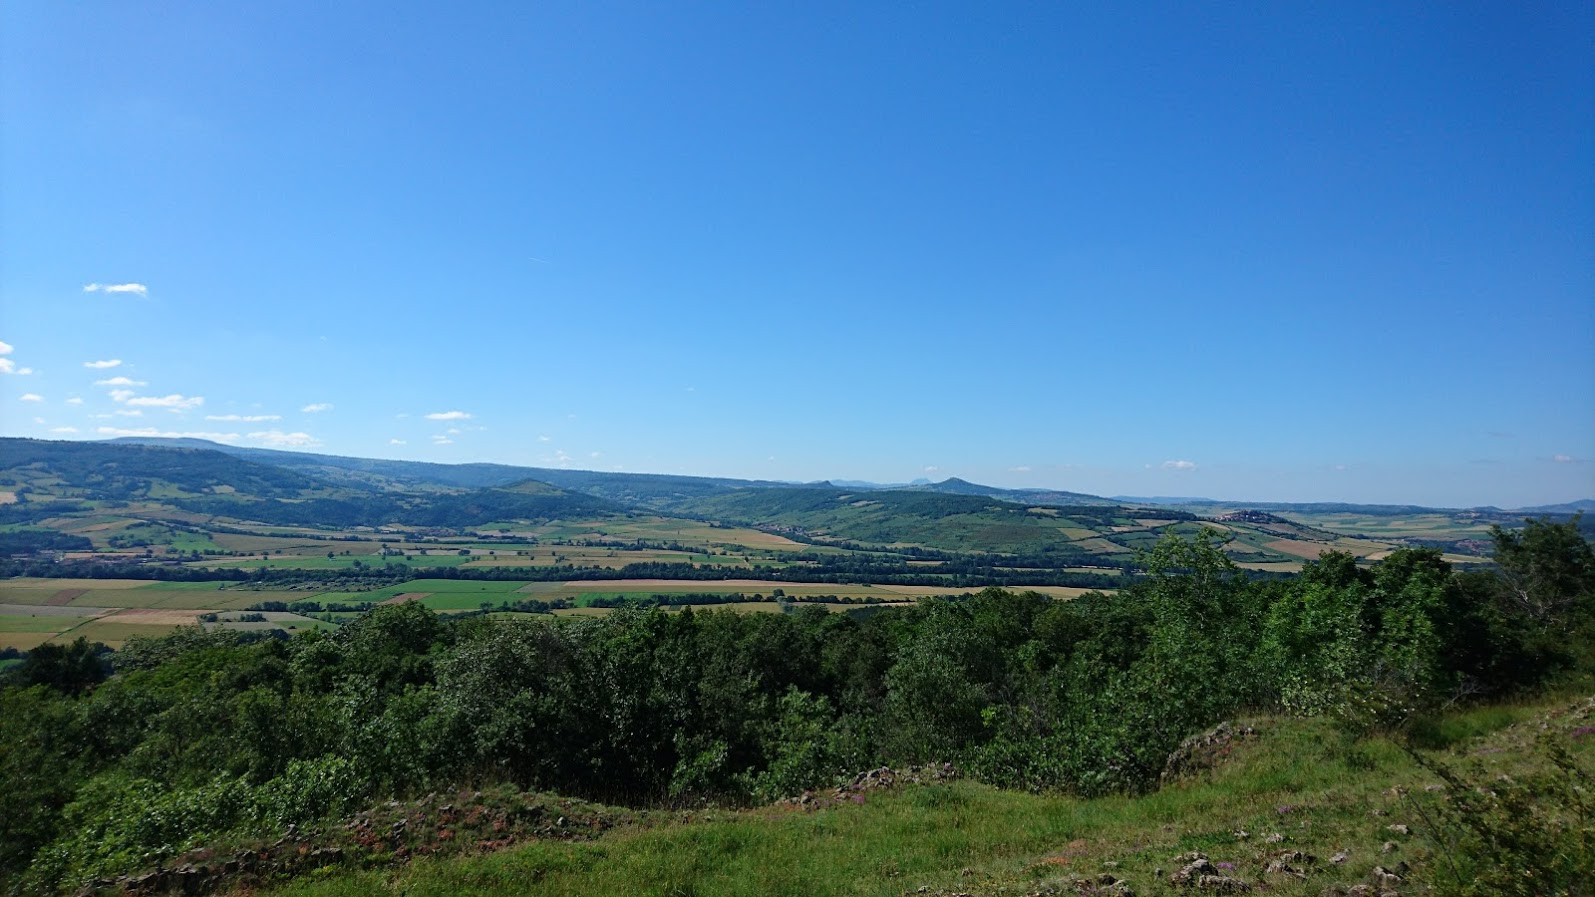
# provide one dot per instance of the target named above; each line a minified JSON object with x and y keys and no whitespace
{"x":1298,"y":548}
{"x":153,"y":616}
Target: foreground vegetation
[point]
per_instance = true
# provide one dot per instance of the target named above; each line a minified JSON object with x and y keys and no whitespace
{"x":209,"y":738}
{"x":1297,"y":807}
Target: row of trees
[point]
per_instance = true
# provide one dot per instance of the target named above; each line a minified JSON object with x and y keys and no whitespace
{"x":199,"y":734}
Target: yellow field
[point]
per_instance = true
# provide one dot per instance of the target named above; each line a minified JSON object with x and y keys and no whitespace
{"x":1298,"y":548}
{"x":1273,"y":566}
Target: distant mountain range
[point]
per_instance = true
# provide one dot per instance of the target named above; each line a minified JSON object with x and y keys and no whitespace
{"x":665,"y":492}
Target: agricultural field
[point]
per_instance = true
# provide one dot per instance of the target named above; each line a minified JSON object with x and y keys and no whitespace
{"x":1457,"y":525}
{"x":34,"y":611}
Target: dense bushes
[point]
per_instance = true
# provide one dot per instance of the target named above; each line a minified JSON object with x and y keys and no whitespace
{"x":206,"y":735}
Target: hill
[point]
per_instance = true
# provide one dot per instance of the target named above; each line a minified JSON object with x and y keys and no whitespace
{"x":657,"y":491}
{"x":98,"y":470}
{"x":956,"y":486}
{"x":227,"y":485}
{"x":954,"y":521}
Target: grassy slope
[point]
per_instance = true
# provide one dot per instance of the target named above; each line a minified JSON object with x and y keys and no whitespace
{"x":1298,"y":779}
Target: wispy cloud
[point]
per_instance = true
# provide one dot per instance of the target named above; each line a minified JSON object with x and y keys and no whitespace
{"x":245,"y":418}
{"x":1179,"y":465}
{"x":932,"y":468}
{"x":31,"y":397}
{"x":175,"y":401}
{"x":6,"y":348}
{"x":75,"y":400}
{"x":448,"y":415}
{"x":442,"y":440}
{"x":137,"y":289}
{"x":285,"y":440}
{"x":101,"y":365}
{"x":121,"y":395}
{"x":121,"y":381}
{"x":397,"y":442}
{"x":317,"y":408}
{"x":1564,"y":459}
{"x":128,"y":412}
{"x":153,"y":433}
{"x":544,"y":439}
{"x":63,"y":429}
{"x":1020,"y":469}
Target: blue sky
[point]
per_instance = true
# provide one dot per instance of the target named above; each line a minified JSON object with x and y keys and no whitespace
{"x":1252,"y":251}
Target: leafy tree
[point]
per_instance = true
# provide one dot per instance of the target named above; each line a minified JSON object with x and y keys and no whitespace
{"x":1547,"y":569}
{"x":69,"y":668}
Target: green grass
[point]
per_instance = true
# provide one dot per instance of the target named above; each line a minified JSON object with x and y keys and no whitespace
{"x":1301,"y":781}
{"x":25,"y":623}
{"x":337,"y":562}
{"x":460,"y":585}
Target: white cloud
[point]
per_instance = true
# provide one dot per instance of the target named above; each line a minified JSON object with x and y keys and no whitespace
{"x":39,"y":421}
{"x":317,"y":408}
{"x":442,"y":440}
{"x":120,"y":381}
{"x":454,"y":431}
{"x":594,"y":455}
{"x":121,"y":395}
{"x":397,"y":442}
{"x":101,"y":365}
{"x":32,"y":397}
{"x":932,"y":469}
{"x":75,"y":400}
{"x":245,"y":418}
{"x":1179,"y":465}
{"x":152,"y":433}
{"x":1563,"y":459}
{"x":136,"y":288}
{"x":127,"y":412}
{"x":448,"y":415}
{"x":543,"y":439}
{"x":63,"y":429}
{"x":172,"y":401}
{"x":1020,"y":469}
{"x":280,"y":439}
{"x":7,"y":366}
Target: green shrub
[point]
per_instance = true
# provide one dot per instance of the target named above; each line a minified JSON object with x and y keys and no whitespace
{"x":1515,"y":837}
